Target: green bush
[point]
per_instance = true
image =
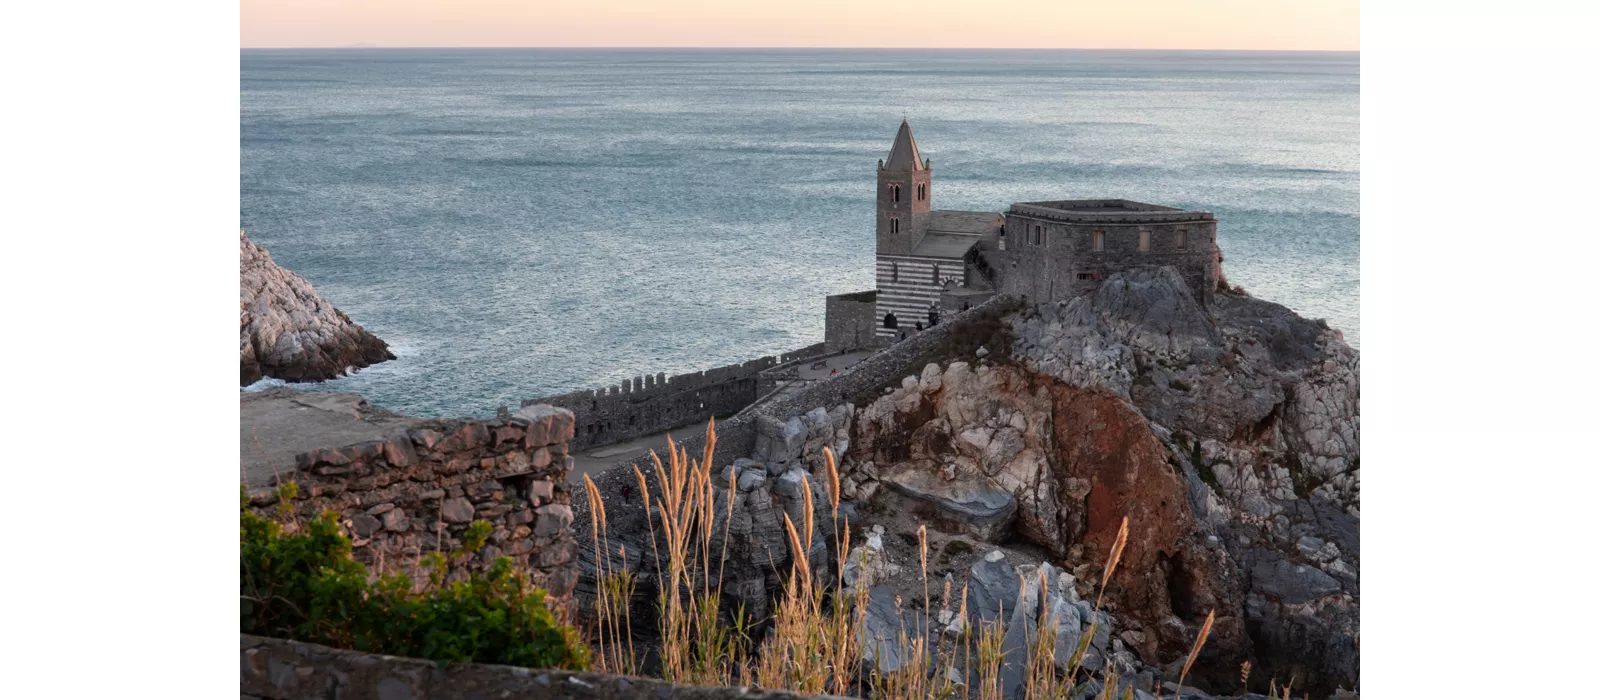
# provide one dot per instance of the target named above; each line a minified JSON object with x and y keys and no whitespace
{"x":306,"y":586}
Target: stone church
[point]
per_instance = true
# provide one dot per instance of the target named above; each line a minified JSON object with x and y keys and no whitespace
{"x":933,"y":263}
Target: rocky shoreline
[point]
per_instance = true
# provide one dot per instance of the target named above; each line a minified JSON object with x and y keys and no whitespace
{"x":289,"y":332}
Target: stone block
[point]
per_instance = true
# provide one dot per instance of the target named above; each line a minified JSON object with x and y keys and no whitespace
{"x":457,"y":510}
{"x":547,"y":425}
{"x":540,"y":492}
{"x":426,"y":438}
{"x":396,"y":521}
{"x":520,"y":516}
{"x":364,"y":526}
{"x":552,"y":519}
{"x":505,"y":435}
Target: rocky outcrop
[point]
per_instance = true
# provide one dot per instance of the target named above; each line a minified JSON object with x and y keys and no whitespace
{"x":1259,"y":410}
{"x":1228,"y":437}
{"x":289,"y":332}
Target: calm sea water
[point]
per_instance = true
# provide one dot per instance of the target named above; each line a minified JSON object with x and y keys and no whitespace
{"x":517,"y":223}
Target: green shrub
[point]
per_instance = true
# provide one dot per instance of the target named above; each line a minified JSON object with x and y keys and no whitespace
{"x":306,"y":586}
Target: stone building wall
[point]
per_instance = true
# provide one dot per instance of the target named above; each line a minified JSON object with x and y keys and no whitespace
{"x":850,"y":320}
{"x":417,"y":491}
{"x":1063,"y":263}
{"x":282,"y":669}
{"x":653,"y":403}
{"x":909,"y":287}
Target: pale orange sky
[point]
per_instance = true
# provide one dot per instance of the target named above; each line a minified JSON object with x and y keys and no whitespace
{"x":1133,"y":24}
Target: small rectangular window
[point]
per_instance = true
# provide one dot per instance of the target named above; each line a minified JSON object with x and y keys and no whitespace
{"x":1183,"y":239}
{"x":1144,"y":241}
{"x":1099,"y":241}
{"x":1037,"y":234}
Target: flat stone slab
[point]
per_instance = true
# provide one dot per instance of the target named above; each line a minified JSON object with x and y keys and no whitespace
{"x":973,"y":507}
{"x":278,"y":423}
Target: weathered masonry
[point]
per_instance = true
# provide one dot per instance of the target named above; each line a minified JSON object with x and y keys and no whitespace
{"x":653,"y":403}
{"x":417,"y":491}
{"x":932,"y":263}
{"x":851,"y":321}
{"x":1059,"y":250}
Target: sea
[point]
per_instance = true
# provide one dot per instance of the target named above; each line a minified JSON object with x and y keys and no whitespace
{"x":517,"y":223}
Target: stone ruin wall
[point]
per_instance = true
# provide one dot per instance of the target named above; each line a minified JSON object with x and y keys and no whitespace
{"x":419,"y":489}
{"x":281,"y":669}
{"x":850,"y":321}
{"x":653,"y":403}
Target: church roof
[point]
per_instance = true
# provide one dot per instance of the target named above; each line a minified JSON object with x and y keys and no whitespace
{"x":950,"y":246}
{"x":974,"y":222}
{"x":903,"y":155}
{"x":950,"y":234}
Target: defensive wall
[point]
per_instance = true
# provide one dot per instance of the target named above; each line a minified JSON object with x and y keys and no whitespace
{"x":961,"y":337}
{"x":850,"y":320}
{"x":417,"y":490}
{"x":283,"y":669}
{"x":652,"y":403}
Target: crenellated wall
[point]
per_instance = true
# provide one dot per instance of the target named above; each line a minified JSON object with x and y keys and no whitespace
{"x":653,"y":403}
{"x":418,"y":490}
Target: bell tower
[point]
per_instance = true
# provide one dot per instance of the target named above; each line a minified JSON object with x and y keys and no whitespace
{"x":905,"y":193}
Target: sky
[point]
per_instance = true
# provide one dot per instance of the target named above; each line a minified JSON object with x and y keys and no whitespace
{"x":1325,"y":25}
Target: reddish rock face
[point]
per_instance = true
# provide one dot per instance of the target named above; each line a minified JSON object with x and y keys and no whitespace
{"x":1163,"y":573}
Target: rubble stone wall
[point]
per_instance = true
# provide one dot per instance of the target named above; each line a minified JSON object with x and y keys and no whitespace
{"x":418,"y":490}
{"x":282,"y":669}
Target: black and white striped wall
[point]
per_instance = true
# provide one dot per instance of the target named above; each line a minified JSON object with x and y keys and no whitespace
{"x":907,"y":287}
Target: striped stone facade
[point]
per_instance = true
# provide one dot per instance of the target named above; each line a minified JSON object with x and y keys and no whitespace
{"x":907,"y":289}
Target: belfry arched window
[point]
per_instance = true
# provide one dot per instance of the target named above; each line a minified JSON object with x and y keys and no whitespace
{"x":894,"y":192}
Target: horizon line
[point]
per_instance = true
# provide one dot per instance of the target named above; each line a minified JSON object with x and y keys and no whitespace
{"x":359,"y":47}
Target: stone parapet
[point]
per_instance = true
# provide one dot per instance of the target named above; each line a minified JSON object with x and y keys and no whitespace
{"x":419,"y":489}
{"x":283,"y":669}
{"x":652,"y":403}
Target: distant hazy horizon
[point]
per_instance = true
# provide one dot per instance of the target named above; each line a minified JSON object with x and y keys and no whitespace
{"x":1217,"y":25}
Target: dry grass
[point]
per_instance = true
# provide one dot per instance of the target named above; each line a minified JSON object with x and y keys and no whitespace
{"x":813,"y":646}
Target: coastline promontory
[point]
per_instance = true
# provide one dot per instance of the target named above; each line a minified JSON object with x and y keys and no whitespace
{"x":288,"y":331}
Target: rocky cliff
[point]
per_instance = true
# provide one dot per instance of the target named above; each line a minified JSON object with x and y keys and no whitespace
{"x":1228,"y":436}
{"x":289,"y":332}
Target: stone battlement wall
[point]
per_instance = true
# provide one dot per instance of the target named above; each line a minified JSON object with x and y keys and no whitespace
{"x":959,"y":338}
{"x":282,"y":669}
{"x":417,"y":491}
{"x":653,"y":403}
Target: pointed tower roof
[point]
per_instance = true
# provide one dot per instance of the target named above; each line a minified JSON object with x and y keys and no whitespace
{"x":903,"y":155}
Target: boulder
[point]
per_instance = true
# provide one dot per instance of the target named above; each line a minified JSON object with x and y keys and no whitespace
{"x":973,"y":507}
{"x":886,"y":631}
